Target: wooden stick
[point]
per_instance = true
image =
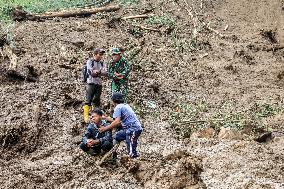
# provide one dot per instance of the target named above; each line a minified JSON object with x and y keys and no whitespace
{"x":108,"y":154}
{"x":273,"y":48}
{"x":186,"y":7}
{"x":217,"y":120}
{"x":137,"y":16}
{"x":21,"y":15}
{"x":77,"y":12}
{"x":212,"y":30}
{"x":2,"y":55}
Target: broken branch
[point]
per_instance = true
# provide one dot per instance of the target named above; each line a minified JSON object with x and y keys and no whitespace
{"x":212,"y":30}
{"x":137,"y":16}
{"x":20,"y":15}
{"x":273,"y":48}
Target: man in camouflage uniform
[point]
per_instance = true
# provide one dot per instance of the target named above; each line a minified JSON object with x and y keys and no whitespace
{"x":119,"y":71}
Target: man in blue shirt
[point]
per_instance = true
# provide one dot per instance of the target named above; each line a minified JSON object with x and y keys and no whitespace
{"x":93,"y":141}
{"x":131,"y":126}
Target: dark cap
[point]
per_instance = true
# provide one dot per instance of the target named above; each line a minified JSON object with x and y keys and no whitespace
{"x":99,"y":51}
{"x":117,"y":98}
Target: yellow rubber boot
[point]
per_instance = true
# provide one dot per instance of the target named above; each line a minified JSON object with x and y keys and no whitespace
{"x":86,"y":113}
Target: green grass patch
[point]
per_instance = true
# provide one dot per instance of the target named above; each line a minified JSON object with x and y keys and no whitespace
{"x":187,"y":118}
{"x":128,"y":2}
{"x":39,"y":6}
{"x":164,"y":20}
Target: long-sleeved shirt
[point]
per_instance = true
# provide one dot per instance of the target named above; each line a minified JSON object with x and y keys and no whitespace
{"x":93,"y":65}
{"x":92,"y":132}
{"x":121,"y":67}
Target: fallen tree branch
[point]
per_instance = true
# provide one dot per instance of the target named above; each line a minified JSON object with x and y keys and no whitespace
{"x":186,"y":8}
{"x":212,"y":30}
{"x":20,"y":15}
{"x":137,"y":16}
{"x":212,"y":120}
{"x":273,"y":48}
{"x":2,"y":55}
{"x":79,"y":12}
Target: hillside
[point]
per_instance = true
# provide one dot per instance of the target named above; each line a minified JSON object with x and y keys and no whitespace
{"x":214,"y":63}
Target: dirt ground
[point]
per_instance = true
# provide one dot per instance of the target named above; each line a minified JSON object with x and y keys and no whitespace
{"x":41,"y":118}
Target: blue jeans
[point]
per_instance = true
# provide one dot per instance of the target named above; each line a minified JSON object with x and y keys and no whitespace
{"x":131,"y":140}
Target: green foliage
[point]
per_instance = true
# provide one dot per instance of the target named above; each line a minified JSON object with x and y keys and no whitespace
{"x":164,"y":20}
{"x":39,"y":6}
{"x":188,"y":118}
{"x":128,"y":2}
{"x":133,"y":53}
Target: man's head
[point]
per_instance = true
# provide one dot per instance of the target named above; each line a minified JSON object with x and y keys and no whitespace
{"x":117,"y":98}
{"x":96,"y":116}
{"x":98,"y":54}
{"x":116,"y":54}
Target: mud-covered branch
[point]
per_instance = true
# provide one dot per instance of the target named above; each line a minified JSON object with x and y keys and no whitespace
{"x":20,"y":15}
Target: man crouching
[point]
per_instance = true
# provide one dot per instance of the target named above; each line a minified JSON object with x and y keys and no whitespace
{"x":93,"y":141}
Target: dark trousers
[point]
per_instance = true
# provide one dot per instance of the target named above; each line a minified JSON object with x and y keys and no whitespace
{"x":131,"y":140}
{"x":106,"y":146}
{"x":93,"y":94}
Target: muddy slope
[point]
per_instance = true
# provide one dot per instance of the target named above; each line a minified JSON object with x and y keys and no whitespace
{"x":40,"y":118}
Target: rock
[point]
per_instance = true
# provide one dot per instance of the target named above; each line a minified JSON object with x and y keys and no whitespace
{"x":229,"y":134}
{"x":203,"y":133}
{"x":178,"y":154}
{"x":266,"y":137}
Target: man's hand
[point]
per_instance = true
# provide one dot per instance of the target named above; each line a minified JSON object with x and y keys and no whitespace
{"x":102,"y":129}
{"x":97,"y":72}
{"x":96,"y":142}
{"x":92,"y":142}
{"x":119,"y":77}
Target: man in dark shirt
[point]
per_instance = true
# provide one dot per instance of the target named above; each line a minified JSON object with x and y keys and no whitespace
{"x":93,"y":141}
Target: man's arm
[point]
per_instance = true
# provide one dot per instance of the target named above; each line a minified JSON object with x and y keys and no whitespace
{"x":111,"y":71}
{"x":126,"y":68}
{"x":108,"y":119}
{"x":114,"y":124}
{"x":90,"y":68}
{"x":104,"y":71}
{"x":87,"y":135}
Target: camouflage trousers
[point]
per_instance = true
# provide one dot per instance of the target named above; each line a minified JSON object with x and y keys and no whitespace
{"x":121,"y":87}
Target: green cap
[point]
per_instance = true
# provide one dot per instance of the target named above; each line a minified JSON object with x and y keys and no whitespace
{"x":115,"y":51}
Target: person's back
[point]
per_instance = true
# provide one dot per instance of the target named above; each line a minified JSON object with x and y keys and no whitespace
{"x":132,"y":128}
{"x":128,"y":117}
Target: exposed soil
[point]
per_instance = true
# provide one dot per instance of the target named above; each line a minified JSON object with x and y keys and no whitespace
{"x":41,"y":118}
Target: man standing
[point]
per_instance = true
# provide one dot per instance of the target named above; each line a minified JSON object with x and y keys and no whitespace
{"x":119,"y":72}
{"x":95,"y":70}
